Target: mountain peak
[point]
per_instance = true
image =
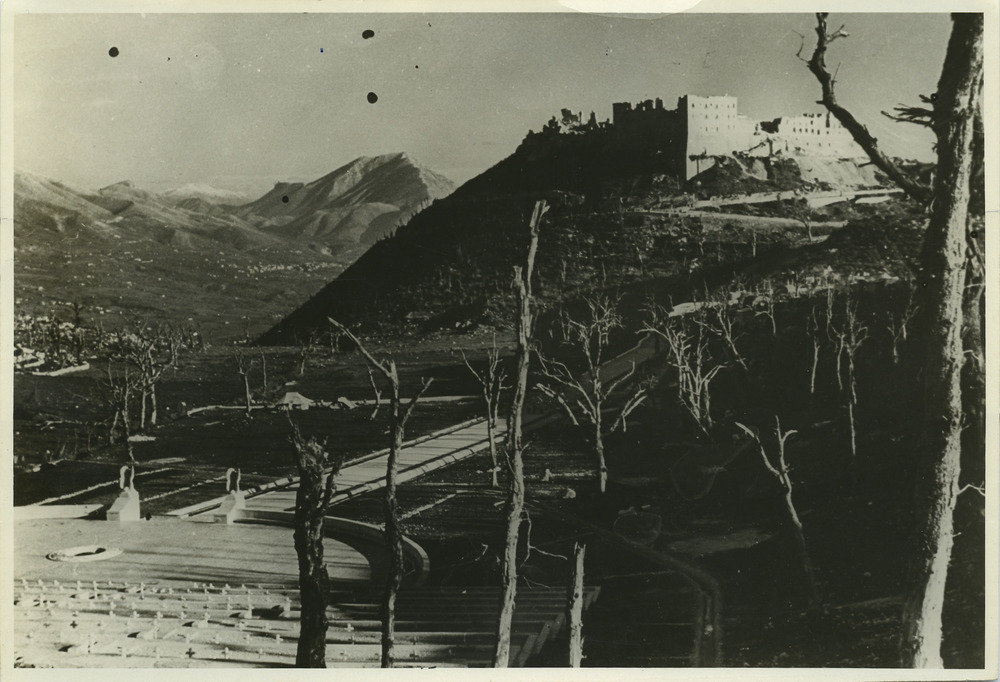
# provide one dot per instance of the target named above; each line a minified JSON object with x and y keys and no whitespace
{"x":359,"y":202}
{"x":123,"y":184}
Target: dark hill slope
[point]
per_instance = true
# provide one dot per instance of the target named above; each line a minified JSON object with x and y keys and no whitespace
{"x":451,"y":265}
{"x":598,"y":162}
{"x":452,"y":262}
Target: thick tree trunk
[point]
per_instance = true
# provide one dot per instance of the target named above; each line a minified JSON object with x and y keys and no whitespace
{"x":152,"y":405}
{"x":943,"y":280}
{"x":311,"y":502}
{"x":575,"y":608}
{"x":515,"y":448}
{"x":393,"y":535}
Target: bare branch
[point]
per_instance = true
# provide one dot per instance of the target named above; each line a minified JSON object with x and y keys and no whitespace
{"x":910,"y":114}
{"x":563,"y":376}
{"x":630,"y":406}
{"x":981,"y":489}
{"x":562,"y":401}
{"x":381,"y":366}
{"x":474,"y":372}
{"x":817,"y":65}
{"x":760,"y":447}
{"x":620,"y":380}
{"x":424,"y":385}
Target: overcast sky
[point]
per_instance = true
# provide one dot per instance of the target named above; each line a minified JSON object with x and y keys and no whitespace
{"x":241,"y":100}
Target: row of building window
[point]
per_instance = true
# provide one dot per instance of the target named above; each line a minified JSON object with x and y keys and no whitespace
{"x":714,"y":105}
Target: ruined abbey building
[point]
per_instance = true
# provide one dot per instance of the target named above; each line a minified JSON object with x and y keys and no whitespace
{"x":701,"y":128}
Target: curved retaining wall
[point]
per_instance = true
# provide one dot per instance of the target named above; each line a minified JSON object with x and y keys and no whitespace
{"x":367,"y":538}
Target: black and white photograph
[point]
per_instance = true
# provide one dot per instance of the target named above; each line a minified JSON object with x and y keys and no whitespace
{"x":635,"y":341}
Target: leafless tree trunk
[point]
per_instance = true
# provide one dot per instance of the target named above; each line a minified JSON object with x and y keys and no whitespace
{"x":305,"y":351}
{"x":312,"y":499}
{"x":812,"y":328}
{"x":590,"y":393}
{"x":119,"y":388}
{"x":854,"y":335}
{"x":243,"y":367}
{"x":898,"y":326}
{"x":944,"y":260}
{"x":765,"y":294}
{"x":377,"y":391}
{"x":152,"y":405}
{"x":515,"y":447}
{"x":142,"y":350}
{"x":393,"y":532}
{"x":781,"y":474}
{"x":575,"y":608}
{"x":492,"y":382}
{"x":956,"y":108}
{"x":838,"y":338}
{"x":263,"y":369}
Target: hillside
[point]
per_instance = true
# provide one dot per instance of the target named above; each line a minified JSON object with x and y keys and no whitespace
{"x":125,"y":253}
{"x":450,"y":266}
{"x":358,"y":203}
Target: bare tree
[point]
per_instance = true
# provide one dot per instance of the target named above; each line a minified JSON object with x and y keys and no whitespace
{"x":812,"y":329}
{"x":688,"y":353}
{"x":723,"y":324}
{"x":119,"y":388}
{"x":243,"y":366}
{"x":855,"y":334}
{"x":800,"y":211}
{"x":393,"y":533}
{"x":144,"y":353}
{"x":492,"y":381}
{"x":764,"y":303}
{"x":377,"y":390}
{"x":837,"y":337}
{"x":514,"y":450}
{"x":264,"y":388}
{"x":306,"y":349}
{"x":899,"y":325}
{"x":946,"y":303}
{"x":591,"y":392}
{"x":312,"y":499}
{"x":79,"y":335}
{"x":781,"y":472}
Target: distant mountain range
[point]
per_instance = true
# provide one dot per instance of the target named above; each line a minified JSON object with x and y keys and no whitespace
{"x":206,"y":193}
{"x":305,"y":231}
